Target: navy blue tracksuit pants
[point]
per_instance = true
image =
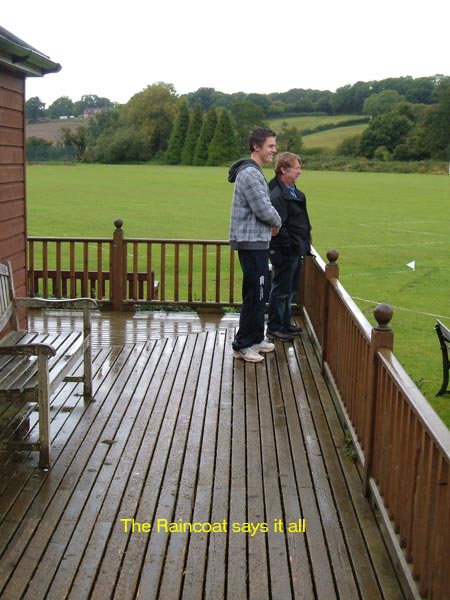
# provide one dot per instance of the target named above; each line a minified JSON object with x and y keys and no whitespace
{"x":255,"y":289}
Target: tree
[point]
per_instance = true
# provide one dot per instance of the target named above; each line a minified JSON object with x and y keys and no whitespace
{"x":289,"y":139}
{"x":383,"y":154}
{"x":304,"y":106}
{"x":379,"y":104}
{"x":37,"y":142}
{"x":34,"y":109}
{"x":261,"y":100}
{"x":75,"y":138}
{"x":247,"y":116}
{"x":349,"y":99}
{"x":91,"y":101}
{"x":153,"y":110}
{"x":61,"y":107}
{"x":102,"y":122}
{"x":178,"y":137}
{"x":387,"y":130}
{"x":324,"y":105}
{"x":223,"y":147}
{"x":203,"y":96}
{"x":435,"y":133}
{"x":349,"y":146}
{"x":37,"y":147}
{"x":277,"y":108}
{"x":206,"y":134}
{"x":124,"y":144}
{"x":192,"y":135}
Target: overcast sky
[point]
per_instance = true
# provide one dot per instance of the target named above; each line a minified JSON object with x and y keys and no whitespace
{"x":115,"y":49}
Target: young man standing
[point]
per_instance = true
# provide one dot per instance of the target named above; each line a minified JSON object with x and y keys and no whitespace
{"x":290,"y":246}
{"x":253,"y":222}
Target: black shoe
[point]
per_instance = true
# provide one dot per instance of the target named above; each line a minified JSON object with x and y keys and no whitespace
{"x":279,"y":335}
{"x":295,"y":329}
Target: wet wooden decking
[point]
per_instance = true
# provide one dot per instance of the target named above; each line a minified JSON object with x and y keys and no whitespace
{"x":180,"y":433}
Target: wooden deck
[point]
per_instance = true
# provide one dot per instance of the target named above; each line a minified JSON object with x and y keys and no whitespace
{"x":179,"y":434}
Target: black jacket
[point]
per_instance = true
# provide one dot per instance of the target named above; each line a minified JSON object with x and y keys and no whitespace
{"x":294,"y":236}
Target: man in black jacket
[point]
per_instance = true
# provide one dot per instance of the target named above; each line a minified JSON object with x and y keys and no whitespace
{"x":288,"y":248}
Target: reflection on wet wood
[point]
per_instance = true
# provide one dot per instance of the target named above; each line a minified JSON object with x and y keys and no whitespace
{"x":112,"y":328}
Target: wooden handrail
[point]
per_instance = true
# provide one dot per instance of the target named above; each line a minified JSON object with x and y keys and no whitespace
{"x":402,"y":445}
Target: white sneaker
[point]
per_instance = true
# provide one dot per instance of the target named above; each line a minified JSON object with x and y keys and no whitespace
{"x":249,"y":354}
{"x":264,"y":347}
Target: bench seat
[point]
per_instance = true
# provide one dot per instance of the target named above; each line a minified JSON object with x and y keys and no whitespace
{"x":34,"y":364}
{"x":19,"y":354}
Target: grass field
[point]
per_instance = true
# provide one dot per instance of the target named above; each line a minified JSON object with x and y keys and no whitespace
{"x":309,"y":122}
{"x":378,"y":222}
{"x":331,"y":138}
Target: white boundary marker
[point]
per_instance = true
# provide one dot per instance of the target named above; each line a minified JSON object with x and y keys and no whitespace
{"x":417,"y":312}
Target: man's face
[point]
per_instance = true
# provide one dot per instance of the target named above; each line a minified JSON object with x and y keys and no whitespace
{"x":267,"y":150}
{"x":291,"y":174}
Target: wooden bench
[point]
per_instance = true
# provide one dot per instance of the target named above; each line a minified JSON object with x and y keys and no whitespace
{"x":443,"y":334}
{"x":33,"y":365}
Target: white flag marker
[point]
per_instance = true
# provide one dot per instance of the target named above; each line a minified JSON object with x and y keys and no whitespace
{"x":412,"y":265}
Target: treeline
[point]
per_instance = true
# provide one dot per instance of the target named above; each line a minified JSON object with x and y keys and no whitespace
{"x":35,"y":109}
{"x":348,"y":99}
{"x":409,"y":120}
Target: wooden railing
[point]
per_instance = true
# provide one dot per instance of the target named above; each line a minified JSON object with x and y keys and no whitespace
{"x":121,"y":272}
{"x":402,"y":445}
{"x":403,"y":448}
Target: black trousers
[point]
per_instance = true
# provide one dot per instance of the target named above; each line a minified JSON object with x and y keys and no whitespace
{"x":286,"y":274}
{"x":255,"y":289}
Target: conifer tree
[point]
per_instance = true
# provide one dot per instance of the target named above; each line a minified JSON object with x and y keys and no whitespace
{"x":178,"y":136}
{"x":192,"y":135}
{"x":205,"y":137}
{"x":223,"y":147}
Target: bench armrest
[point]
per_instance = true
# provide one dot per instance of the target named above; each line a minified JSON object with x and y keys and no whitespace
{"x":72,"y":303}
{"x":28,"y":350}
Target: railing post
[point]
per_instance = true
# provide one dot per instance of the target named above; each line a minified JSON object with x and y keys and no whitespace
{"x":381,"y":337}
{"x":331,"y":272}
{"x":117,"y":267}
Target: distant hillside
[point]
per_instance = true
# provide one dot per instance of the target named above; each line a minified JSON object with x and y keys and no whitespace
{"x":51,"y":130}
{"x":311,"y":121}
{"x":329,"y":138}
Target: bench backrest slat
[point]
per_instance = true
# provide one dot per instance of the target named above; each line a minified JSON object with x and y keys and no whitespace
{"x":443,"y":331}
{"x":7,"y":307}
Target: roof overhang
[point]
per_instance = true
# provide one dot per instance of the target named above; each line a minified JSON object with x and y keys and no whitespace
{"x":19,"y":56}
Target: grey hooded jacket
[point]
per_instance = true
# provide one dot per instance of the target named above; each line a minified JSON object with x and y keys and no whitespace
{"x":252,"y":213}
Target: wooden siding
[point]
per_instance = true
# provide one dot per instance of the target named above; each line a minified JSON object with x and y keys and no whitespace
{"x":12,"y":177}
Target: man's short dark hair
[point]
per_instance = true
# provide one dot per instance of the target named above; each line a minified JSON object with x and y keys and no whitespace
{"x":259,"y":136}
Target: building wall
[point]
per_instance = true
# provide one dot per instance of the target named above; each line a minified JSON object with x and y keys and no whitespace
{"x":12,"y":175}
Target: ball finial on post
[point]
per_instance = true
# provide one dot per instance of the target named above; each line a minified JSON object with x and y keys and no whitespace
{"x":332,"y":268}
{"x":383,"y":315}
{"x":332,"y":256}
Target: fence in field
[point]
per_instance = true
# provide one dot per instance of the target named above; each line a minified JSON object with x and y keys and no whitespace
{"x":402,"y":447}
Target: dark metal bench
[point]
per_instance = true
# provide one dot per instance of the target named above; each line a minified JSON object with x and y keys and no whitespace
{"x":443,"y":334}
{"x":32,"y":364}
